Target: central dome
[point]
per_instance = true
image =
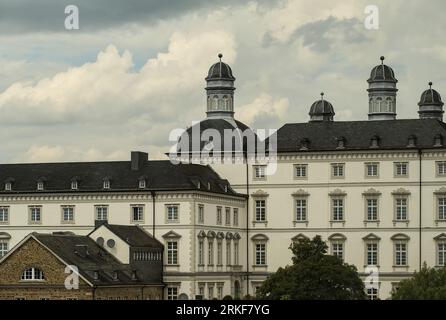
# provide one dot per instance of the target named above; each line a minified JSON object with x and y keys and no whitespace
{"x":220,"y":71}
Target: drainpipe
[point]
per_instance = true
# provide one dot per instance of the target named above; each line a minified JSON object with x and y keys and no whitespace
{"x":247,"y":223}
{"x":153,"y":212}
{"x":420,"y":152}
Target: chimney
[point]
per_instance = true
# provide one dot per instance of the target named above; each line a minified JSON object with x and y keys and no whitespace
{"x":139,"y":159}
{"x":82,"y":250}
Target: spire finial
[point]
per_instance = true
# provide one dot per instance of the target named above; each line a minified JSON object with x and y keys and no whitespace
{"x":382,"y":59}
{"x":220,"y":56}
{"x":430,"y":84}
{"x":322,"y":96}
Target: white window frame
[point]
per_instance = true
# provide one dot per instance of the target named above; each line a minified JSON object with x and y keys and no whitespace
{"x":300,"y":171}
{"x":74,"y":185}
{"x":400,"y":248}
{"x":210,"y":252}
{"x":172,"y":293}
{"x":441,"y":252}
{"x":441,"y":208}
{"x":4,"y":215}
{"x":372,"y":169}
{"x":219,"y":217}
{"x":228,"y":252}
{"x":142,"y":184}
{"x":200,"y":217}
{"x":235,"y":217}
{"x":201,"y":261}
{"x":101,"y":211}
{"x":32,"y":274}
{"x":63,"y":215}
{"x":335,"y":251}
{"x":172,"y":213}
{"x":260,"y":253}
{"x":300,"y":209}
{"x":219,"y":252}
{"x":8,"y":186}
{"x":401,"y":208}
{"x":337,"y":210}
{"x":172,"y":252}
{"x":372,"y":293}
{"x":106,"y":184}
{"x":40,"y":186}
{"x":236,"y":253}
{"x":4,"y":247}
{"x":34,"y":214}
{"x":372,"y":253}
{"x":140,"y":213}
{"x":372,"y":209}
{"x":338,"y":170}
{"x":227,"y":216}
{"x":401,"y":169}
{"x":440,"y":168}
{"x":260,"y":210}
{"x":259,"y":172}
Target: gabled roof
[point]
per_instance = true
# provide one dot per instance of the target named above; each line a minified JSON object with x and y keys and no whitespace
{"x":160,"y":175}
{"x":133,"y":235}
{"x":392,"y":134}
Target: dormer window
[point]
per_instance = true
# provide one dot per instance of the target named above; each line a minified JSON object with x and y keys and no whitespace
{"x":40,"y":185}
{"x":226,"y":188}
{"x":341,"y":143}
{"x":8,"y":186}
{"x":412,"y":141}
{"x":304,"y":144}
{"x":438,"y":140}
{"x":106,"y":184}
{"x":209,"y":186}
{"x":74,"y":185}
{"x":142,"y":183}
{"x":374,"y":142}
{"x":115,"y":275}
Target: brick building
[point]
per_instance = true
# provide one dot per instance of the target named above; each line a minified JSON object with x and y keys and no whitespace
{"x":113,"y":262}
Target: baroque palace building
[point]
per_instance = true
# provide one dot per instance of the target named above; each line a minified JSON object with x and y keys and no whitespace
{"x":375,"y":190}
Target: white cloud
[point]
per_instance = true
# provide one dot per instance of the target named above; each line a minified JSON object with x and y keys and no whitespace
{"x":263,"y":106}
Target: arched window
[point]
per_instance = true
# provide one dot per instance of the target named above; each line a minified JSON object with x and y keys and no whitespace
{"x":371,"y":106}
{"x":389,"y":104}
{"x":225,"y":103}
{"x":32,"y":274}
{"x":379,"y":104}
{"x":214,"y":102}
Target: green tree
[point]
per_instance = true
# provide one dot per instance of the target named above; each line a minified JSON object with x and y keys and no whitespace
{"x":314,"y":275}
{"x":427,"y":284}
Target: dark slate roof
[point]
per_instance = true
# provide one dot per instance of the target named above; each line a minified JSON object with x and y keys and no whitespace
{"x":159,"y":175}
{"x":382,"y":73}
{"x":97,"y":260}
{"x":430,"y":97}
{"x":322,"y":107}
{"x":220,"y":71}
{"x":134,"y":236}
{"x":357,"y":135}
{"x":217,"y":125}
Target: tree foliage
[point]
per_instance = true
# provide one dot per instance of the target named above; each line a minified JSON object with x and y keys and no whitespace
{"x":314,"y":275}
{"x":427,"y":284}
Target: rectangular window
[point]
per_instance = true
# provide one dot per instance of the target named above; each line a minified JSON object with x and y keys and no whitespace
{"x":236,"y":253}
{"x":235,"y":218}
{"x":8,"y":186}
{"x":260,"y":254}
{"x":401,"y":209}
{"x":300,"y":170}
{"x":40,"y":186}
{"x":337,"y":170}
{"x":338,"y":209}
{"x":137,"y":213}
{"x":35,"y":214}
{"x":260,"y":209}
{"x":228,"y":253}
{"x":172,"y":213}
{"x":372,"y":169}
{"x":442,"y":208}
{"x":372,"y":254}
{"x":172,"y":293}
{"x":227,"y":216}
{"x":401,"y":169}
{"x":67,"y":214}
{"x":400,"y":254}
{"x":372,"y":209}
{"x":441,"y":168}
{"x":210,"y":253}
{"x":219,"y":292}
{"x":73,"y":185}
{"x":201,"y":253}
{"x":441,"y":253}
{"x":172,"y":252}
{"x":301,"y":210}
{"x":219,"y":253}
{"x":101,"y":213}
{"x":210,"y":292}
{"x":337,"y":249}
{"x":372,"y":294}
{"x":219,"y":215}
{"x":259,"y":172}
{"x":200,"y":213}
{"x":4,"y":214}
{"x":3,"y":248}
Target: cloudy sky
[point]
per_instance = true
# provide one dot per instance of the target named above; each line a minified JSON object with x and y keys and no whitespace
{"x":135,"y":69}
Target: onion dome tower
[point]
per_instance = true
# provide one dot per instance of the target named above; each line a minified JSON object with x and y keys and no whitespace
{"x":430,"y":105}
{"x":382,"y":93}
{"x":321,"y":110}
{"x":220,"y":91}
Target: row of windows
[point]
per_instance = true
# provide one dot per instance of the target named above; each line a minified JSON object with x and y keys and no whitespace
{"x":146,"y":256}
{"x":400,"y":252}
{"x":401,"y":209}
{"x":371,"y":169}
{"x":106,"y":184}
{"x":137,"y":214}
{"x":172,"y":248}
